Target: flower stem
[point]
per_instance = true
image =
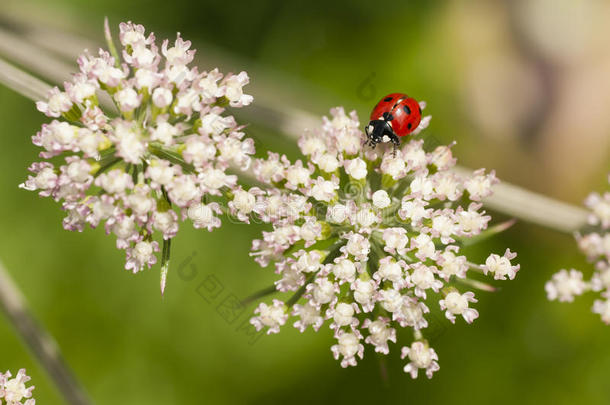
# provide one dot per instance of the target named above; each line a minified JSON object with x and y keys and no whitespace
{"x":165,"y":255}
{"x":110,"y":43}
{"x":259,"y":294}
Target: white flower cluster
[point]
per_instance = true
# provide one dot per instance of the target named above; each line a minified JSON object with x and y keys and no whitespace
{"x":161,"y":157}
{"x":13,"y":390}
{"x":367,"y":241}
{"x":595,"y":244}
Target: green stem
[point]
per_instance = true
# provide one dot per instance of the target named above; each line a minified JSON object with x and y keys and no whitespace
{"x":107,"y":166}
{"x":259,"y":294}
{"x":165,"y":254}
{"x":172,"y":157}
{"x":110,"y":43}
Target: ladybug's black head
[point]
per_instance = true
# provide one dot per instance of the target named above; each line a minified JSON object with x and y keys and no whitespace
{"x":373,"y":134}
{"x":380,"y":131}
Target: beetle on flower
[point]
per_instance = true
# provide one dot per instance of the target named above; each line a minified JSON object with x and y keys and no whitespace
{"x":388,"y":228}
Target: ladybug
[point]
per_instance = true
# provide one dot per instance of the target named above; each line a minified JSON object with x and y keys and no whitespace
{"x":394,"y":115}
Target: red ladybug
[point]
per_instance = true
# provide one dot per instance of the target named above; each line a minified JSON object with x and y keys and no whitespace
{"x":394,"y":115}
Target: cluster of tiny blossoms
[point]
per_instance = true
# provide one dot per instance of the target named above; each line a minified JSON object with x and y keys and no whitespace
{"x":368,"y":240}
{"x":13,"y":390}
{"x":566,"y":284}
{"x":158,"y":154}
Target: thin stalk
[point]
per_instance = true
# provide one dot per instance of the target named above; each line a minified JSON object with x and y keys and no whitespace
{"x":165,"y":255}
{"x":40,"y":343}
{"x":259,"y":294}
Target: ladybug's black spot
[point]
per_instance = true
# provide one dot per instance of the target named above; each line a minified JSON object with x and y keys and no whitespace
{"x":387,"y":116}
{"x":387,"y":99}
{"x":407,"y":109}
{"x":409,"y":125}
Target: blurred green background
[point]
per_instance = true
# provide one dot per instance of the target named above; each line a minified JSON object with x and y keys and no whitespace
{"x":522,"y":86}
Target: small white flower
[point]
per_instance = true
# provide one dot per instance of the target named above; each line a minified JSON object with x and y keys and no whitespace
{"x":203,"y":216}
{"x":602,"y":307}
{"x":343,"y":314}
{"x":358,"y":246}
{"x":311,"y":145}
{"x":413,"y":153}
{"x":327,"y":162}
{"x":425,"y":246}
{"x":348,"y":346}
{"x":565,"y":285}
{"x":412,"y":314}
{"x":420,"y":356}
{"x":364,"y":293}
{"x":13,"y":390}
{"x":423,"y":278}
{"x":184,"y":190}
{"x":311,"y":230}
{"x":128,"y":99}
{"x":270,"y":316}
{"x":391,"y":300}
{"x":323,"y":291}
{"x":56,"y":104}
{"x":396,"y":240}
{"x":390,"y":270}
{"x":164,"y":132}
{"x":162,"y":97}
{"x":381,"y":199}
{"x":297,"y":175}
{"x":380,"y":334}
{"x":500,"y":266}
{"x":394,"y":166}
{"x":356,"y":168}
{"x":452,"y":265}
{"x":324,"y":190}
{"x":308,"y":262}
{"x":243,"y":202}
{"x":422,"y":186}
{"x":337,"y":213}
{"x":457,"y":304}
{"x":480,"y":184}
{"x":414,"y":210}
{"x":166,"y":223}
{"x":129,"y":143}
{"x":308,"y":315}
{"x":345,"y":270}
{"x":142,"y":254}
{"x":114,"y":181}
{"x":234,"y":89}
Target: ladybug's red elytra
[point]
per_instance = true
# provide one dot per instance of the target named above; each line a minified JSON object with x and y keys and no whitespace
{"x":394,"y":115}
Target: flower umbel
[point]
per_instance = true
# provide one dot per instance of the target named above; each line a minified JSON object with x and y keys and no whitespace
{"x":13,"y":390}
{"x":158,"y":157}
{"x":367,"y":241}
{"x":595,"y":244}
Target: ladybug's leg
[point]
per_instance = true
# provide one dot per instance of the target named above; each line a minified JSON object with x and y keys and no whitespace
{"x":395,"y":142}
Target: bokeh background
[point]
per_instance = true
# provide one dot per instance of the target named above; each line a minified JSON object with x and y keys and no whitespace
{"x":522,"y":86}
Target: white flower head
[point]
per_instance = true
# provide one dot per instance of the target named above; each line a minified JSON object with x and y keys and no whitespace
{"x":155,"y":163}
{"x":358,"y":232}
{"x":595,"y":245}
